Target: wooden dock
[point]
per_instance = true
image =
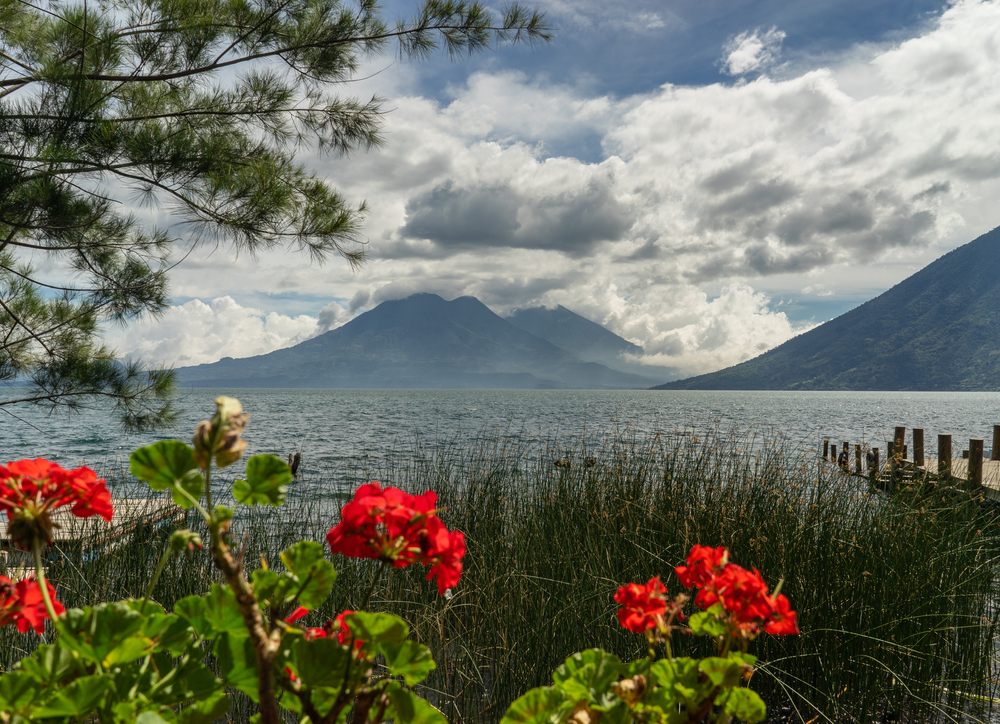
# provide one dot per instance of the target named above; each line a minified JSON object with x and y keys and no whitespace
{"x":971,"y":467}
{"x":75,"y":537}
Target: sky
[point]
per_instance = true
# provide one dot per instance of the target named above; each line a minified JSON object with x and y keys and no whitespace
{"x":706,"y":179}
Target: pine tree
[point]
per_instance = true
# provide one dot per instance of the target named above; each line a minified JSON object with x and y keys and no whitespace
{"x":194,"y":105}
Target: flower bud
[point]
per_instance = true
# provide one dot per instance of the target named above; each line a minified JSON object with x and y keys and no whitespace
{"x":630,"y":690}
{"x":220,"y":436}
{"x":184,"y":541}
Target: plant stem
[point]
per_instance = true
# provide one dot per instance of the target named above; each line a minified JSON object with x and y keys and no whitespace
{"x":156,"y":577}
{"x":208,"y":484}
{"x":253,"y":620}
{"x":36,"y":550}
{"x":371,"y":587}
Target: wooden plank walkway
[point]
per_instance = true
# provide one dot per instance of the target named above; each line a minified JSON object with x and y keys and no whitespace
{"x":73,"y":533}
{"x":960,"y":469}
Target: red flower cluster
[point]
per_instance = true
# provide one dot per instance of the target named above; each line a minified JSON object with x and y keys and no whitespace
{"x":310,"y":633}
{"x":395,"y":526}
{"x":742,"y":593}
{"x":22,"y":604}
{"x":31,"y":489}
{"x":344,"y":633}
{"x":643,"y":607}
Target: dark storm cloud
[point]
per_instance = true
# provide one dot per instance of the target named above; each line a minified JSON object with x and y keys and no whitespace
{"x":938,"y":189}
{"x":795,"y":226}
{"x":937,"y":160}
{"x":857,"y":227}
{"x":732,"y":176}
{"x":755,"y":199}
{"x":456,"y":217}
{"x":647,"y":252}
{"x":854,"y":212}
{"x":571,"y":221}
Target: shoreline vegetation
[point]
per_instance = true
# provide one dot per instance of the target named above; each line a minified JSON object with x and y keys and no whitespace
{"x":896,"y":596}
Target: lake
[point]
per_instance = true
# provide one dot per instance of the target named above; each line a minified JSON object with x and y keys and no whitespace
{"x":337,"y":429}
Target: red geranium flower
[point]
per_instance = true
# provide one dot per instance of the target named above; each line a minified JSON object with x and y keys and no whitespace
{"x":643,"y":607}
{"x":344,"y":634}
{"x":742,"y":593}
{"x":31,"y":489}
{"x":703,"y":563}
{"x":401,"y":529}
{"x":22,"y":604}
{"x":783,"y":621}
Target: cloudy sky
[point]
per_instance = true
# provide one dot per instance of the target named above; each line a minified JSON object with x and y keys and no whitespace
{"x":705,"y":178}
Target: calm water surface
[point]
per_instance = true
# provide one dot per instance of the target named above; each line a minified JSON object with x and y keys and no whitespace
{"x":336,"y":427}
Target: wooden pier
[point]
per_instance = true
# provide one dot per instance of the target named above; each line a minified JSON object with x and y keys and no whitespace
{"x":75,"y":537}
{"x":970,"y":466}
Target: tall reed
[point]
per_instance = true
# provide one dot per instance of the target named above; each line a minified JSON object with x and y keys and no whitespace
{"x":895,"y":596}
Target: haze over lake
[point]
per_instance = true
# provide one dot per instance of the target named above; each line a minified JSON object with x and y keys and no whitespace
{"x":341,"y":430}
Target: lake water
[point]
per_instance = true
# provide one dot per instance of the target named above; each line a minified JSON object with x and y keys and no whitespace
{"x":334,"y":429}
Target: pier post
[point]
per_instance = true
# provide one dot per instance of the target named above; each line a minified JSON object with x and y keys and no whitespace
{"x":890,"y":462}
{"x":833,"y":453}
{"x":976,"y":462}
{"x":847,"y":455}
{"x":899,"y":440}
{"x":857,"y":459}
{"x":995,"y":452}
{"x":875,"y":471}
{"x":965,"y":455}
{"x":918,"y":447}
{"x":826,"y":448}
{"x":944,"y":455}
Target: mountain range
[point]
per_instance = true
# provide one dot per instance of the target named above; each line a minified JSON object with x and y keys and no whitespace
{"x":938,"y":329}
{"x":424,"y":341}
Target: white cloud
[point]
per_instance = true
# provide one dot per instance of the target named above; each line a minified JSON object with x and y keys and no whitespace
{"x":752,"y":51}
{"x":196,"y":333}
{"x":709,"y":334}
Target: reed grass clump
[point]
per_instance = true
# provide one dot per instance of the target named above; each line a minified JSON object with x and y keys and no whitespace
{"x":895,"y":596}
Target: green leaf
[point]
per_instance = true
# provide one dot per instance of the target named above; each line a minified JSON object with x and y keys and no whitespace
{"x":681,"y":678}
{"x":594,"y":669}
{"x":739,"y":657}
{"x":108,"y":634}
{"x":377,"y":628}
{"x":52,"y":663}
{"x":17,"y":690}
{"x":192,"y":680}
{"x":743,"y":704}
{"x":177,"y":637}
{"x":706,"y":623}
{"x":238,"y":664}
{"x":150,"y":717}
{"x":214,"y":613}
{"x":264,"y":584}
{"x":544,"y":705}
{"x":721,"y":672}
{"x":223,"y":612}
{"x":194,"y":610}
{"x":408,"y":708}
{"x":169,"y":465}
{"x":205,"y":712}
{"x":78,"y":698}
{"x":267,"y":477}
{"x":313,"y":574}
{"x":409,"y":659}
{"x":321,"y":662}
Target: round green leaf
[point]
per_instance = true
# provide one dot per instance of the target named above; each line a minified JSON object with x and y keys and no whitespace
{"x":544,"y":705}
{"x":267,"y":477}
{"x":169,"y":465}
{"x":409,"y":659}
